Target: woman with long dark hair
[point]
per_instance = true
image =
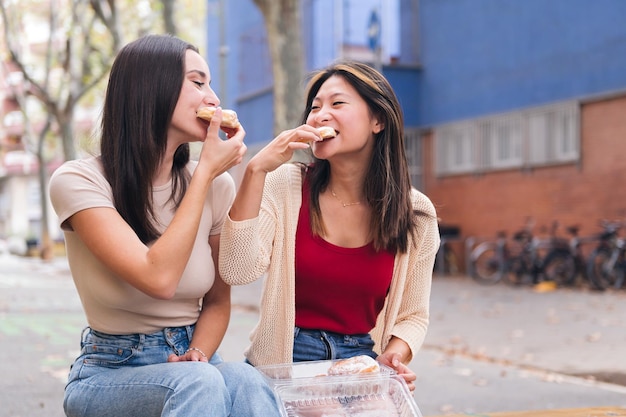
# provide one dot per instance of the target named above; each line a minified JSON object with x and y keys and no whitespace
{"x":142,"y":226}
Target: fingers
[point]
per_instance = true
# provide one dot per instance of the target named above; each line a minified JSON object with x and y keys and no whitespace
{"x":191,"y":356}
{"x":410,"y":380}
{"x":214,"y":124}
{"x":411,"y":386}
{"x":393,"y":359}
{"x":396,"y":360}
{"x":194,"y":356}
{"x":221,"y":154}
{"x":232,"y":131}
{"x":306,"y":134}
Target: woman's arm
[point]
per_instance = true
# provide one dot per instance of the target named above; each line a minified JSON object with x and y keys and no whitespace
{"x":249,"y":230}
{"x":214,"y":317}
{"x":156,"y":269}
{"x":280,"y":150}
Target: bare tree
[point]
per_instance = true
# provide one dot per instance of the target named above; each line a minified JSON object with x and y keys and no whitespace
{"x":79,"y":60}
{"x":169,"y":23}
{"x":283,"y":25}
{"x":69,"y":67}
{"x":84,"y":37}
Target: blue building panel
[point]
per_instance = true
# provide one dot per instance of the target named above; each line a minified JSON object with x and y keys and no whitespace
{"x":256,"y":115}
{"x":489,"y":56}
{"x":240,"y":63}
{"x":477,"y":57}
{"x":405,"y":84}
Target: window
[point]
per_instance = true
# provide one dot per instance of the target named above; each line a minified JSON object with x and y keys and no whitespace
{"x":534,"y":137}
{"x":414,"y":154}
{"x":456,"y":152}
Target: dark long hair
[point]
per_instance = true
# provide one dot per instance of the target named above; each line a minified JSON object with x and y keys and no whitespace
{"x":144,"y":86}
{"x":387,"y":182}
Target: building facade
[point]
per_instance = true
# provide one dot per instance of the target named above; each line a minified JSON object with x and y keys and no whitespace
{"x":522,"y":107}
{"x":513,"y":109}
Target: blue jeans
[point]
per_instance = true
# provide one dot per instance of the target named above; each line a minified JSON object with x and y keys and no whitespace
{"x":318,"y":345}
{"x":128,"y":375}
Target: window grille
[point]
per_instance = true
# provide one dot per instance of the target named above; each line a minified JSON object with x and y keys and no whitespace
{"x":526,"y":138}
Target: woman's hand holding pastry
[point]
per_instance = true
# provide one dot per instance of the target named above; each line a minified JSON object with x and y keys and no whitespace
{"x":282,"y":147}
{"x":221,"y":155}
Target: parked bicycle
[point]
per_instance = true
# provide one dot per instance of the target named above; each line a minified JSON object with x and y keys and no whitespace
{"x":580,"y":261}
{"x":446,"y":261}
{"x":606,"y":267}
{"x":524,"y":258}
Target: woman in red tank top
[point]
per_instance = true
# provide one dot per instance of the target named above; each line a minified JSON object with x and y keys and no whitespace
{"x":346,"y":244}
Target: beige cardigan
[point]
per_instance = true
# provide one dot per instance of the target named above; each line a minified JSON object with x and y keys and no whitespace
{"x":265,"y":245}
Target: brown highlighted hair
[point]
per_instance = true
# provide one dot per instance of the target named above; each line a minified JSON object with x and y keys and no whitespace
{"x":387,"y":182}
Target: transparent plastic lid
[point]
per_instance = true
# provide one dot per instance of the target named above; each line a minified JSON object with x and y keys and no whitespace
{"x":298,"y":371}
{"x":305,"y":389}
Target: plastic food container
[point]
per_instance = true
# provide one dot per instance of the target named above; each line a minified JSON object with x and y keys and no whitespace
{"x":304,"y":389}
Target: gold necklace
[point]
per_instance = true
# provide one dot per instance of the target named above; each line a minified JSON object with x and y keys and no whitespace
{"x":342,"y":203}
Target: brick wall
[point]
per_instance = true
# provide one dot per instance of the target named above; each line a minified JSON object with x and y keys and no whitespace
{"x":581,"y":193}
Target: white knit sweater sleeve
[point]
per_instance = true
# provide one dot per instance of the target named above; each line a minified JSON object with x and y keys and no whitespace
{"x":246,"y":246}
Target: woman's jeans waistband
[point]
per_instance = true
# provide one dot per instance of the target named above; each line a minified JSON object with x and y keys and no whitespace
{"x":314,"y":345}
{"x":176,"y":338}
{"x":101,"y":352}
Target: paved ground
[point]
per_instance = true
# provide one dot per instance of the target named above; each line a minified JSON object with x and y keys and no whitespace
{"x":488,"y":349}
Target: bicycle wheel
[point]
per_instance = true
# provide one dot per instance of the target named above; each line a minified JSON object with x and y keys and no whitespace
{"x":486,"y":265}
{"x":599,"y":271}
{"x":560,"y":266}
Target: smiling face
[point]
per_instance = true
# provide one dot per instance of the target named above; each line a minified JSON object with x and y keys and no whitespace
{"x":338,"y":104}
{"x":194,"y":94}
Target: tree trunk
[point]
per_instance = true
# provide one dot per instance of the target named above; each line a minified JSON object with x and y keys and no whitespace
{"x":168,"y":16}
{"x":46,"y":245}
{"x":282,"y":22}
{"x":67,"y":135}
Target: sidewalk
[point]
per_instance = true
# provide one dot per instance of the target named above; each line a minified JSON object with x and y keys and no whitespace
{"x":488,"y":349}
{"x":503,"y":348}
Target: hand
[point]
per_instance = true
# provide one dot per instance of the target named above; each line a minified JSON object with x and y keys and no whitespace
{"x":394,"y":361}
{"x":282,"y":147}
{"x":221,"y":155}
{"x":189,"y":356}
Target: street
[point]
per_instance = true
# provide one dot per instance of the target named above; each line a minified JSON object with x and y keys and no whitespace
{"x":489,"y":349}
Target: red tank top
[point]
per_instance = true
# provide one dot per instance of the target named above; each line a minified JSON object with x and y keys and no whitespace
{"x":338,"y":289}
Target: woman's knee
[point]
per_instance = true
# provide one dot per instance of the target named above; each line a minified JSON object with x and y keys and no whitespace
{"x":198,"y":374}
{"x":240,"y":373}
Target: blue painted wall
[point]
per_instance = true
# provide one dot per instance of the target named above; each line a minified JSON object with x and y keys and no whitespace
{"x":488,"y":56}
{"x":249,"y":73}
{"x":404,"y":81}
{"x":477,"y":57}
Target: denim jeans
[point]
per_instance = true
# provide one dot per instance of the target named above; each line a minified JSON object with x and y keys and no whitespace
{"x":317,"y":345}
{"x":128,"y":375}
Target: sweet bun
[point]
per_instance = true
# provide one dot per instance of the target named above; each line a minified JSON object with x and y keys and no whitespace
{"x":229,"y":117}
{"x":327,"y":132}
{"x":361,"y":364}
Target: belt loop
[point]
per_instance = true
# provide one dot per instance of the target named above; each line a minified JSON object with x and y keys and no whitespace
{"x":189,"y":330}
{"x":83,"y":335}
